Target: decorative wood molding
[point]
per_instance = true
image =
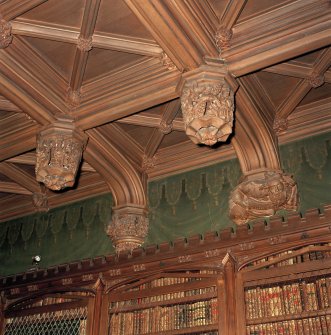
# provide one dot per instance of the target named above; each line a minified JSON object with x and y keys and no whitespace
{"x":175,"y":28}
{"x":210,"y":248}
{"x":231,"y":13}
{"x":262,"y":194}
{"x":6,"y":36}
{"x":122,"y":178}
{"x":116,"y":42}
{"x":147,"y":84}
{"x":265,"y":40}
{"x":14,"y":188}
{"x":20,"y":176}
{"x":11,"y":9}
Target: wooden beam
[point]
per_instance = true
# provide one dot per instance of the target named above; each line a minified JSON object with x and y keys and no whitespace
{"x":296,"y":69}
{"x":110,"y":41}
{"x":129,"y":91}
{"x":8,"y":106}
{"x":231,"y":13}
{"x":86,"y":32}
{"x":31,"y":83}
{"x":149,"y":120}
{"x":29,"y":158}
{"x":20,"y":176}
{"x":13,"y":8}
{"x":291,"y":30}
{"x":180,"y":28}
{"x":11,"y":187}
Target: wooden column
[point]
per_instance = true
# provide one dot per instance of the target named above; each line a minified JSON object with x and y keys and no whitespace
{"x":96,"y":323}
{"x":229,"y":307}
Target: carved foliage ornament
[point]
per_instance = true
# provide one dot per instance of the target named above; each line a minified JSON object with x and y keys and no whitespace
{"x":261,"y":195}
{"x":222,"y":38}
{"x":59,"y":151}
{"x":128,"y":228}
{"x":5,"y":34}
{"x":208,"y":111}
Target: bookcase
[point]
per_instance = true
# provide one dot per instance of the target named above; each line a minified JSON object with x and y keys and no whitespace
{"x":268,"y":279}
{"x":171,"y":303}
{"x":288,"y":292}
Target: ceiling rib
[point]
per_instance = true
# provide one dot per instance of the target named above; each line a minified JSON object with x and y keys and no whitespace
{"x":265,"y":40}
{"x":110,"y":41}
{"x":11,"y":187}
{"x":231,"y":13}
{"x":13,"y":8}
{"x":86,"y":32}
{"x":20,"y":176}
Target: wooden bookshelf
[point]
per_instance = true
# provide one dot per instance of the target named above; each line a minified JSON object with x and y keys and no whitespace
{"x":246,"y":277}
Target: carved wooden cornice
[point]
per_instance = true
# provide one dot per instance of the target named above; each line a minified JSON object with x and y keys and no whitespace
{"x":265,"y":40}
{"x":243,"y":244}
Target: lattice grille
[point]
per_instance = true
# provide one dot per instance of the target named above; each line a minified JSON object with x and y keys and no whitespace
{"x":64,"y":322}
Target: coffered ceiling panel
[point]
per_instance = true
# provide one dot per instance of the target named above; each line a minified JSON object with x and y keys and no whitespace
{"x":58,"y":12}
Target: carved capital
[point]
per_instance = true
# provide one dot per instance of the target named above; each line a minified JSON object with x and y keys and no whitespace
{"x":73,"y":99}
{"x":59,"y":152}
{"x":6,"y":36}
{"x":128,"y":228}
{"x":316,"y":79}
{"x":207,"y":108}
{"x":84,"y":44}
{"x":167,"y":62}
{"x":165,"y":128}
{"x":280,"y":125}
{"x":40,"y":202}
{"x":222,"y":38}
{"x":262,"y":194}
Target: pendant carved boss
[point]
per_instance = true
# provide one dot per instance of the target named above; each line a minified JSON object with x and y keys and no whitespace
{"x":262,"y":194}
{"x":59,"y":152}
{"x":207,"y":109}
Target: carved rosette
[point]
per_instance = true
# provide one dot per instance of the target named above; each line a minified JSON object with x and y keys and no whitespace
{"x":316,"y":80}
{"x":148,"y":162}
{"x":222,"y":38}
{"x":207,"y":109}
{"x":262,"y":194}
{"x":165,"y":128}
{"x":128,"y":228}
{"x":84,"y":44}
{"x":6,"y":36}
{"x":280,"y":125}
{"x":73,"y":99}
{"x":167,"y":62}
{"x":59,"y":152}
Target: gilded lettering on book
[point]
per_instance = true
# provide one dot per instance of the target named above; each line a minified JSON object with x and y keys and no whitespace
{"x":261,"y":195}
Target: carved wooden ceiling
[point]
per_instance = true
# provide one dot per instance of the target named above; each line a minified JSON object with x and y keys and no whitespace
{"x":115,"y":66}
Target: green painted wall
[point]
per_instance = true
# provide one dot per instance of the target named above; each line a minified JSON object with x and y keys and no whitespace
{"x":181,"y":205}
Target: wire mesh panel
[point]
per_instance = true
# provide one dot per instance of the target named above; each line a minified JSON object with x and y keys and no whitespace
{"x":64,"y":322}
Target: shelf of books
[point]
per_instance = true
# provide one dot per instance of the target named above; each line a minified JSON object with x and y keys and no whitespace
{"x":167,"y":305}
{"x":48,"y":315}
{"x":290,"y":293}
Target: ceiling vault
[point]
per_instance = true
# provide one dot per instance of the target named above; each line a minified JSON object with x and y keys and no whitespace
{"x":128,"y":73}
